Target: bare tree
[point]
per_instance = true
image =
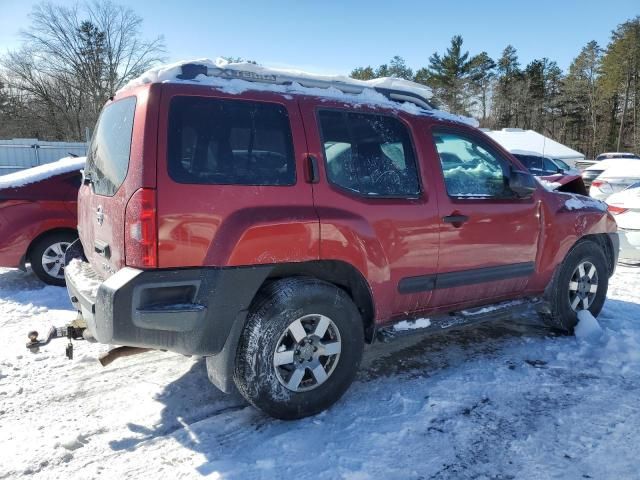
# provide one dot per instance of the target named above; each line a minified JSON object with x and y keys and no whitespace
{"x":74,"y":58}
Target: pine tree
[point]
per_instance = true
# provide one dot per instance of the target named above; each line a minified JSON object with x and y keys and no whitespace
{"x":508,"y":83}
{"x":399,"y":69}
{"x":621,"y":69}
{"x":482,"y":74}
{"x":449,"y":76}
{"x":362,"y":73}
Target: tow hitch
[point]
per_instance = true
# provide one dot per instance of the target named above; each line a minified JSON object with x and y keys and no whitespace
{"x":73,"y":331}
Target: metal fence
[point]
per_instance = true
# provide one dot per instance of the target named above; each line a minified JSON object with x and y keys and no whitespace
{"x":21,"y":153}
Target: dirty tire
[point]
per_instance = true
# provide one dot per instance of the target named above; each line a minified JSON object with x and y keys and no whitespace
{"x":38,"y":249}
{"x":276,"y":308}
{"x":562,"y":316}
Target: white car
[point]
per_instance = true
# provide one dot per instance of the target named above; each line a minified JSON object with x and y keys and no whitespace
{"x":592,"y":168}
{"x":625,"y":206}
{"x":615,"y":177}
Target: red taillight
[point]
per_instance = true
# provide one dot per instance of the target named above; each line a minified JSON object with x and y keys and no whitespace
{"x":602,"y":185}
{"x":616,"y":210}
{"x":141,"y":230}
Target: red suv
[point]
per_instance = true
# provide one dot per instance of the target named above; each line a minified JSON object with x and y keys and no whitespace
{"x":38,"y":217}
{"x":275,"y":225}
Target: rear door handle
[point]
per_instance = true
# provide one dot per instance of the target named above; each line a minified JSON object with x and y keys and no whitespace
{"x":313,"y":176}
{"x":455,"y":218}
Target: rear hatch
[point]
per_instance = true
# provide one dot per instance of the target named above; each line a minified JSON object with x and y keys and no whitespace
{"x":115,"y":171}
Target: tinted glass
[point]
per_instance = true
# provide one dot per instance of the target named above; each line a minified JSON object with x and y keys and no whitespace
{"x":528,"y":161}
{"x":369,"y":154}
{"x":108,"y":156}
{"x":470,"y":170}
{"x":213,"y":141}
{"x":549,"y":166}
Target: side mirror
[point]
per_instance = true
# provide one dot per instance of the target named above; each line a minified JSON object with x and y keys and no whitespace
{"x":522,"y":183}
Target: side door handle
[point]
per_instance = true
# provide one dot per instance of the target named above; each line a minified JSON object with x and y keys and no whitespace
{"x":313,"y":176}
{"x":459,"y":219}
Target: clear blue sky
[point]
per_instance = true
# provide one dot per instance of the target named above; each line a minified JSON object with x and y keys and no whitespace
{"x":328,"y":36}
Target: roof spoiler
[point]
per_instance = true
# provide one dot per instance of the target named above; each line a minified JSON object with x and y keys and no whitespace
{"x":191,"y":70}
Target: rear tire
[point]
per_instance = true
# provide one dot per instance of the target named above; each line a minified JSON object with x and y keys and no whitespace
{"x":47,"y":256}
{"x":300,"y":348}
{"x":580,"y":282}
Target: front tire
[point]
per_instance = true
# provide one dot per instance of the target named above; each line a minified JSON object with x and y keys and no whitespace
{"x":580,"y":283}
{"x":47,"y":256}
{"x":300,"y":349}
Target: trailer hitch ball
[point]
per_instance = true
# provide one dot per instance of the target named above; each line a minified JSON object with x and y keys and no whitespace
{"x":33,"y":336}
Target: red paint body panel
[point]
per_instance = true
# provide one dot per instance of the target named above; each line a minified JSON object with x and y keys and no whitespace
{"x":141,"y":173}
{"x":385,"y":239}
{"x":230,"y":225}
{"x":29,"y":211}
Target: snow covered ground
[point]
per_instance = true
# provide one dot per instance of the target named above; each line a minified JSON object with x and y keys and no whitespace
{"x":498,"y":401}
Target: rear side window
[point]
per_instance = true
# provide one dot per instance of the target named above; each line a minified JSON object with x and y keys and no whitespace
{"x":108,"y":156}
{"x":369,"y":154}
{"x":229,"y":142}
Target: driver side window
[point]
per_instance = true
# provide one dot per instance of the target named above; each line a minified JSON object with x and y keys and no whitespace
{"x":369,"y":154}
{"x":469,"y":169}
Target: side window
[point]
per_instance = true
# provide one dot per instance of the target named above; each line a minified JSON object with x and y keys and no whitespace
{"x":535,"y":163}
{"x":224,"y":142}
{"x":369,"y":154}
{"x":549,"y":166}
{"x":469,"y":169}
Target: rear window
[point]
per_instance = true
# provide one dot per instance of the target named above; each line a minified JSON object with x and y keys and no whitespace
{"x":229,"y":142}
{"x":108,"y":156}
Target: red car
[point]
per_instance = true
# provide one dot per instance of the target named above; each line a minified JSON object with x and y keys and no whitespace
{"x":275,"y":228}
{"x":38,"y":217}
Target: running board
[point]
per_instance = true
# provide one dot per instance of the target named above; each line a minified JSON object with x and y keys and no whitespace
{"x":498,"y":311}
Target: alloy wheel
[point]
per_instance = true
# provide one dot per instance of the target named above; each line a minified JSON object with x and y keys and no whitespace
{"x":307,"y":353}
{"x":583,"y":286}
{"x":53,"y":259}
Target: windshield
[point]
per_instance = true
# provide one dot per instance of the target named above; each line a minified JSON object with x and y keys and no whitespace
{"x":561,"y":164}
{"x":108,"y":157}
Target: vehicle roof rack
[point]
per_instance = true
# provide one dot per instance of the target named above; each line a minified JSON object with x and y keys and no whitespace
{"x":191,"y":70}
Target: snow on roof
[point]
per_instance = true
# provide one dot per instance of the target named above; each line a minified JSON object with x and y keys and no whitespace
{"x":532,"y":142}
{"x":41,"y":172}
{"x":169,"y":74}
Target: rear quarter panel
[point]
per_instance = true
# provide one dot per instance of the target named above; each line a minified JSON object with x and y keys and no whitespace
{"x":234,"y":225}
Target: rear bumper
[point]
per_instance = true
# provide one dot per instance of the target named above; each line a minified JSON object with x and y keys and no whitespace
{"x":189,"y":311}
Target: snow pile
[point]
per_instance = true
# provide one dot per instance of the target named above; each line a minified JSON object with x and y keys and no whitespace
{"x":169,"y":74}
{"x":588,"y":327}
{"x":86,"y":285}
{"x":547,"y":185}
{"x":501,"y":400}
{"x":579,"y":202}
{"x":412,"y":325}
{"x":41,"y":172}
